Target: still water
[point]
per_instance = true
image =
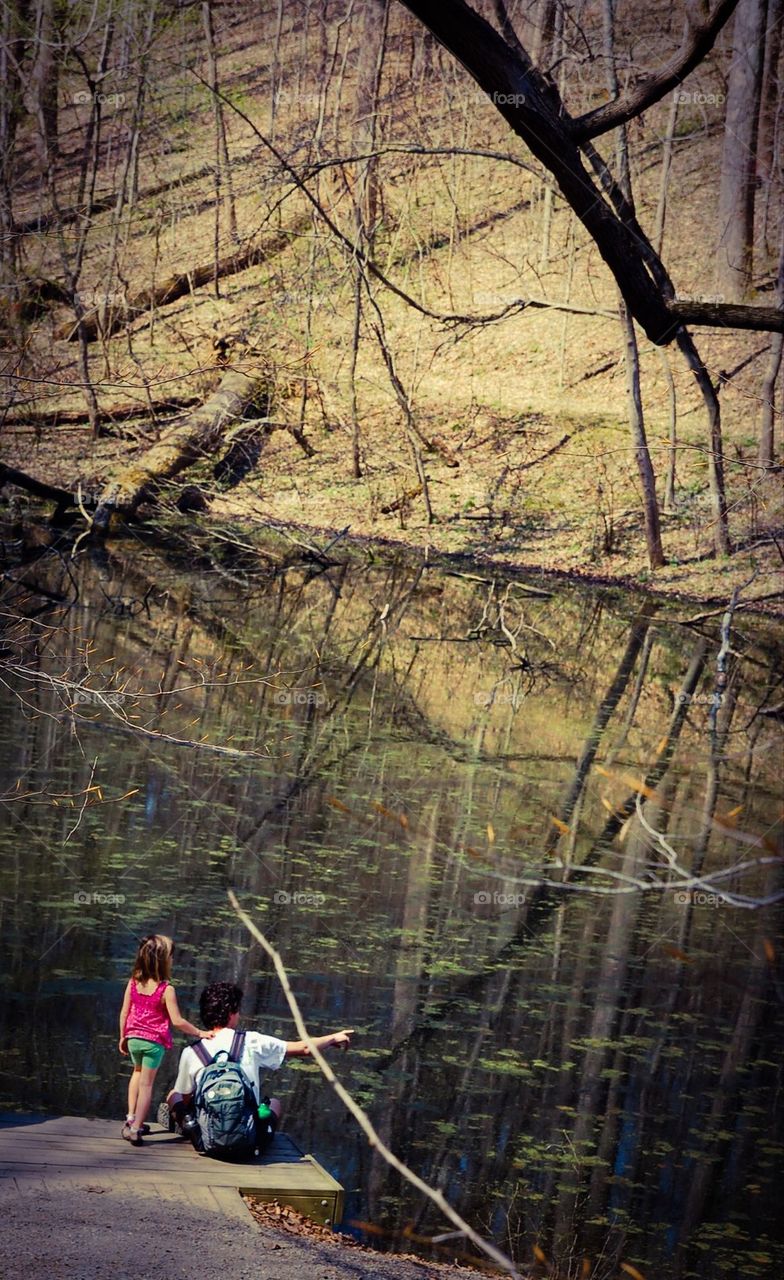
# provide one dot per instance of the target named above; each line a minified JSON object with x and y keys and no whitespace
{"x":450,"y":803}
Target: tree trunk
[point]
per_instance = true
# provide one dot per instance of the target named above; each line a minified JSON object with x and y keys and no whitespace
{"x":371,"y":58}
{"x":661,"y":208}
{"x":739,"y":164}
{"x":44,"y":82}
{"x":720,"y":532}
{"x":770,"y":94}
{"x":607,"y":1000}
{"x":768,"y":411}
{"x":222,"y":162}
{"x":642,"y":455}
{"x":200,"y":433}
{"x":765,"y":455}
{"x":672,"y":449}
{"x":632,"y":356}
{"x":544,"y":24}
{"x":637,"y":634}
{"x":12,"y":49}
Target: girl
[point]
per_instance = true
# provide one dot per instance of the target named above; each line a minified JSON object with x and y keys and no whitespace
{"x":149,"y":1011}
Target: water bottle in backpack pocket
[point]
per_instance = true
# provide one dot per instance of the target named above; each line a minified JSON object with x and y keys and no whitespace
{"x":225,"y":1104}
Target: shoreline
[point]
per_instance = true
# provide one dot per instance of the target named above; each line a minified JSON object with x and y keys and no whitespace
{"x":287,"y":534}
{"x":485,"y":567}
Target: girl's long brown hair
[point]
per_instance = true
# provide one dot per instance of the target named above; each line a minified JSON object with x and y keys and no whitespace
{"x":154,"y":959}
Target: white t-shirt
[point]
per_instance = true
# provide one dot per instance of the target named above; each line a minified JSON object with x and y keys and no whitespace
{"x":260,"y":1053}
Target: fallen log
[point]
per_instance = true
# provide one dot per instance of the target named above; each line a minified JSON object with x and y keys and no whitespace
{"x":109,"y":319}
{"x":52,"y":419}
{"x":41,"y":221}
{"x":239,"y":398}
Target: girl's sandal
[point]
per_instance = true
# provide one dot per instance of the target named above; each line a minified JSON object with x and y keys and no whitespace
{"x":133,"y":1136}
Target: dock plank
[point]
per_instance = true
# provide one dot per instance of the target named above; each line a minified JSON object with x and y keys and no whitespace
{"x":85,"y":1154}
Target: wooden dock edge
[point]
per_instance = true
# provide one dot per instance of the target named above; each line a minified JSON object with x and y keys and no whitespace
{"x":324,"y":1207}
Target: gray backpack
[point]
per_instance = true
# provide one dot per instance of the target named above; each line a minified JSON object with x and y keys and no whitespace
{"x":225,"y":1104}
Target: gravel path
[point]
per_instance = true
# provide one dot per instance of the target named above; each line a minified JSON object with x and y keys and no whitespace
{"x":52,"y":1232}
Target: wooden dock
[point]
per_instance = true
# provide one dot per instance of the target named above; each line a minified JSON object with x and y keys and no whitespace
{"x":91,"y":1154}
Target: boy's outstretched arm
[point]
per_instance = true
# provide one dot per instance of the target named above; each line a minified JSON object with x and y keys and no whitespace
{"x":299,"y":1049}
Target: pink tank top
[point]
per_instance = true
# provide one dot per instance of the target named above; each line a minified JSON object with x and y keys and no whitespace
{"x":148,"y":1018}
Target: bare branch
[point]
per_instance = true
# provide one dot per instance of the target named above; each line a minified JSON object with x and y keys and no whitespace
{"x":699,"y":39}
{"x":356,"y":1111}
{"x":85,"y":801}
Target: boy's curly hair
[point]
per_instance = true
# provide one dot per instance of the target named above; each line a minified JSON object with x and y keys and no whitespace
{"x":218,"y":1002}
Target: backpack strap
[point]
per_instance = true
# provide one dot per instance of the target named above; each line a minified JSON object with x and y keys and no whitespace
{"x":201,"y":1053}
{"x":237,"y":1046}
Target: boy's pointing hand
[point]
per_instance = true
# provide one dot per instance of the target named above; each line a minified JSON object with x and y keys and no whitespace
{"x":343,"y":1038}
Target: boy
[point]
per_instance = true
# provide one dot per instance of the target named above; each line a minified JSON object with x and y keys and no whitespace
{"x":219,"y":1006}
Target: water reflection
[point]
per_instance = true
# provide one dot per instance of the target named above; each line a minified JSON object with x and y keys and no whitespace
{"x":448,"y":802}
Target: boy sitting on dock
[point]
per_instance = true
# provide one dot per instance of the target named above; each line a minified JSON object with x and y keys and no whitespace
{"x":219,"y":1006}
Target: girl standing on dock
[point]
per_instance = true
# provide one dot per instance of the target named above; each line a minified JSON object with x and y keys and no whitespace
{"x":149,"y":1011}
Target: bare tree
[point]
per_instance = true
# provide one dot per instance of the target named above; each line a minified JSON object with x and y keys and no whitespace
{"x":739,"y":158}
{"x":13,"y":40}
{"x":45,"y":77}
{"x":222,"y":164}
{"x":770,"y":162}
{"x":535,"y":111}
{"x":765,"y":456}
{"x":632,"y":355}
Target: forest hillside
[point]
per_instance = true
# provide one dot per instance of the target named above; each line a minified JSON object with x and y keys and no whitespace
{"x":318,"y":197}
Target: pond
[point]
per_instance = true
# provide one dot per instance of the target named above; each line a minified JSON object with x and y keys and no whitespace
{"x":450,"y":801}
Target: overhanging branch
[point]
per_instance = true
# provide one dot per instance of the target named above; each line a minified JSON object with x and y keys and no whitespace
{"x":699,"y":39}
{"x":728,"y":315}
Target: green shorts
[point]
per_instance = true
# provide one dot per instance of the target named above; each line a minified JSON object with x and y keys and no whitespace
{"x":145,"y":1053}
